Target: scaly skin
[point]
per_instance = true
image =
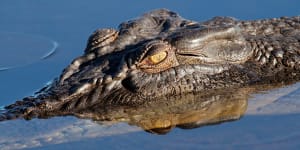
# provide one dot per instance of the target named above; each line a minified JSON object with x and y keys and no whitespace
{"x":163,"y":54}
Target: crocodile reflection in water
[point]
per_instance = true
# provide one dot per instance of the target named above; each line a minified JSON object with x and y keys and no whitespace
{"x":185,"y":111}
{"x":160,"y":116}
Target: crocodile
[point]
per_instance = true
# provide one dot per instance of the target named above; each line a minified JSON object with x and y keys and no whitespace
{"x":161,"y":54}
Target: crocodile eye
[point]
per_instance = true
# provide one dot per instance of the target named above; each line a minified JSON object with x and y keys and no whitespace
{"x":158,"y":57}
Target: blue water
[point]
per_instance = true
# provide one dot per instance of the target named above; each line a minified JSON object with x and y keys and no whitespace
{"x":24,"y":49}
{"x":69,"y":23}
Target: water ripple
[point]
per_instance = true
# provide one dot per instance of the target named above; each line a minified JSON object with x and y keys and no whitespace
{"x":20,"y":49}
{"x":51,"y":51}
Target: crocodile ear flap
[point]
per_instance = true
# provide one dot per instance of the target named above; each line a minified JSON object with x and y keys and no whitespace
{"x":227,"y":45}
{"x":224,"y":44}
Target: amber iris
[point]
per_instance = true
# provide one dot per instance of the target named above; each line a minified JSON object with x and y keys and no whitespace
{"x":158,"y":57}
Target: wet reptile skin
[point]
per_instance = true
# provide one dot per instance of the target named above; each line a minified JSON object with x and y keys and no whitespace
{"x":162,"y":54}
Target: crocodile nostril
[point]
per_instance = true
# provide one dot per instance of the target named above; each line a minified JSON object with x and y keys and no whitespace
{"x":127,"y":84}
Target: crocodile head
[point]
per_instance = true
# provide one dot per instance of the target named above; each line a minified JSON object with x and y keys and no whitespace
{"x":155,"y":55}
